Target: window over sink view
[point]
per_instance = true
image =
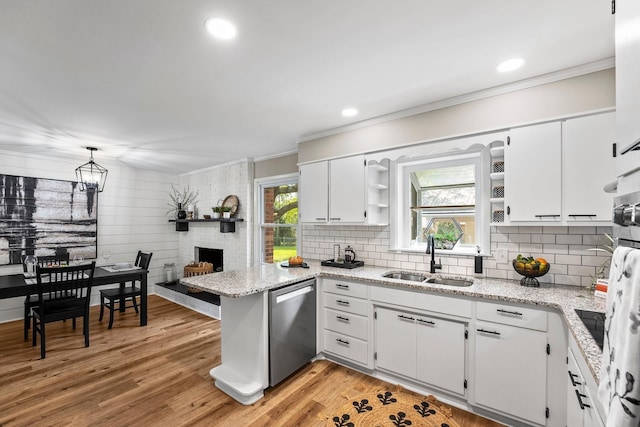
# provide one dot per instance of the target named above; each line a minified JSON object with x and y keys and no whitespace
{"x":441,"y":196}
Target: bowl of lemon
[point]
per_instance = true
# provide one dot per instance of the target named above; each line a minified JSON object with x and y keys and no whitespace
{"x":530,"y":268}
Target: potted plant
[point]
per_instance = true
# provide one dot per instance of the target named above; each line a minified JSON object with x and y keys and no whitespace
{"x":226,"y":211}
{"x":181,"y":199}
{"x":216,"y":211}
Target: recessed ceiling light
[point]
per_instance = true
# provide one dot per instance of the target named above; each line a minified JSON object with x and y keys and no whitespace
{"x":510,"y":65}
{"x":349,"y":112}
{"x":221,"y":28}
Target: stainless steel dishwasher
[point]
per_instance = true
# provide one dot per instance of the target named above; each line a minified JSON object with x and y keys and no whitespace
{"x":292,"y":329}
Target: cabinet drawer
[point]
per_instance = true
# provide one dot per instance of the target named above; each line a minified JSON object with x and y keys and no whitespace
{"x":346,"y":346}
{"x":346,"y":323}
{"x":439,"y":304}
{"x":346,"y":304}
{"x":515,"y":315}
{"x":343,"y":287}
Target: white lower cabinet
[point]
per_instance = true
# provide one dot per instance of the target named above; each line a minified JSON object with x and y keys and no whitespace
{"x":504,"y":360}
{"x":510,"y":360}
{"x":581,"y":393}
{"x":510,"y":366}
{"x":345,"y":320}
{"x":441,"y":353}
{"x":425,"y":348}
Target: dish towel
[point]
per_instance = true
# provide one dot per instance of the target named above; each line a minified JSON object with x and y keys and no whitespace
{"x":619,"y":388}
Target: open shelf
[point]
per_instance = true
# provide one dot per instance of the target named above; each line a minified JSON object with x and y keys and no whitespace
{"x":227,"y":225}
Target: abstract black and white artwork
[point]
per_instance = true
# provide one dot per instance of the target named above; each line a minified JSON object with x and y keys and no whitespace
{"x":45,"y":216}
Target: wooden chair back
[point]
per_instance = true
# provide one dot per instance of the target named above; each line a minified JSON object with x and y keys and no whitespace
{"x":143,"y":260}
{"x":65,"y":291}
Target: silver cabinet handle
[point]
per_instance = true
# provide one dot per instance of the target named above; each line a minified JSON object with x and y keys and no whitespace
{"x":341,"y":341}
{"x":341,"y":286}
{"x":344,"y":319}
{"x":341,"y":302}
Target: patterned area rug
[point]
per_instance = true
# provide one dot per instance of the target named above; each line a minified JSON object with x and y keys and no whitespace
{"x":394,"y":409}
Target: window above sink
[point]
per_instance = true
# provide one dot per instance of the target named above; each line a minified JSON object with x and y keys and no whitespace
{"x":444,"y":195}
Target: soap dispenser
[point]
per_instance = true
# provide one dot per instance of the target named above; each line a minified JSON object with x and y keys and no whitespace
{"x":478,"y":263}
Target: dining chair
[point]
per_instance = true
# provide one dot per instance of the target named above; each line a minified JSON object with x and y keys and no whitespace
{"x":112,"y":296}
{"x":65,"y":293}
{"x":33,"y":300}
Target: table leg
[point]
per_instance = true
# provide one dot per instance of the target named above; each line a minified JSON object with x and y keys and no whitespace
{"x":143,"y":299}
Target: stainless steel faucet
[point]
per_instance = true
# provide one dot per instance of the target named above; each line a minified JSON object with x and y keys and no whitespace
{"x":431,"y":249}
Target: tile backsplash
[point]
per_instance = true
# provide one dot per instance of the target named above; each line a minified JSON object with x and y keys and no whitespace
{"x":568,"y":249}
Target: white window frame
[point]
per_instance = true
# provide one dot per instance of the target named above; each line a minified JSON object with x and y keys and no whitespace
{"x":259,"y":185}
{"x":401,"y":222}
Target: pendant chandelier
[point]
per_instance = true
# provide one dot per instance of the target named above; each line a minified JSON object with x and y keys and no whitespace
{"x":91,"y":175}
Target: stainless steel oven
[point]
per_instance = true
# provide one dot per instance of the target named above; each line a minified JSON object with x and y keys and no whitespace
{"x":626,"y":220}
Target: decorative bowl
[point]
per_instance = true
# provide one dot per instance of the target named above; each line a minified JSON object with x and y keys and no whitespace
{"x":206,"y":216}
{"x":530,"y":271}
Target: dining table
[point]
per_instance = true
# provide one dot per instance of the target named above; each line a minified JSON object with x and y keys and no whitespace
{"x":15,"y":285}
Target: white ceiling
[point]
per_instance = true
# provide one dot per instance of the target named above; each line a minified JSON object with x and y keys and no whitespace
{"x":142,"y":80}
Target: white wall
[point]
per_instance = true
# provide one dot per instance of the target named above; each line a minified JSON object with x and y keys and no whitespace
{"x":131,"y":214}
{"x":215,"y":184}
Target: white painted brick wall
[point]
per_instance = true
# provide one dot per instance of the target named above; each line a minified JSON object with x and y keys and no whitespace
{"x":213,"y":186}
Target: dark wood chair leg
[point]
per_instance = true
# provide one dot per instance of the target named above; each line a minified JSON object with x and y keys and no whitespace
{"x":27,"y":321}
{"x":101,"y":307}
{"x":111,"y":304}
{"x":85,"y":328}
{"x":42,"y":341}
{"x":135,"y":304}
{"x":33,"y":332}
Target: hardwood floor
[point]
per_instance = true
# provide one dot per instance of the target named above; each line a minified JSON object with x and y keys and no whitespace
{"x":156,"y":375}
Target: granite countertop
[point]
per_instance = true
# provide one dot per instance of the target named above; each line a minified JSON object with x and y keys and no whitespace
{"x":236,"y":284}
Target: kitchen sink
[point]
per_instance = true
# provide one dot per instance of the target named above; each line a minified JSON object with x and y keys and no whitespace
{"x":404,"y":276}
{"x":415,"y":277}
{"x":449,"y":282}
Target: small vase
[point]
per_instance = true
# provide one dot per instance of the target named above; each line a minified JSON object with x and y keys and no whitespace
{"x":216,"y":215}
{"x":182,"y":214}
{"x":226,"y":215}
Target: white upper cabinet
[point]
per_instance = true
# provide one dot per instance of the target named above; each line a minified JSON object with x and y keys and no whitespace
{"x":588,"y":165}
{"x":347,"y":190}
{"x":314,"y":192}
{"x":627,"y":84}
{"x":533,"y":158}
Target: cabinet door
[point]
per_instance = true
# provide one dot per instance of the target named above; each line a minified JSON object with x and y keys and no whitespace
{"x":396,"y":341}
{"x":347,"y":190}
{"x":440,"y":353}
{"x":510,"y":369}
{"x":533,"y":180}
{"x":627,"y":83}
{"x":575,"y":382}
{"x":314,"y":192}
{"x":588,"y":165}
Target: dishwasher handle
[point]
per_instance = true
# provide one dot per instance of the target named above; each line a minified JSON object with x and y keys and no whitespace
{"x":295,"y":293}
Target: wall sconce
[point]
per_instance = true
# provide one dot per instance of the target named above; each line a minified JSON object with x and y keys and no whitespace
{"x":91,"y":175}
